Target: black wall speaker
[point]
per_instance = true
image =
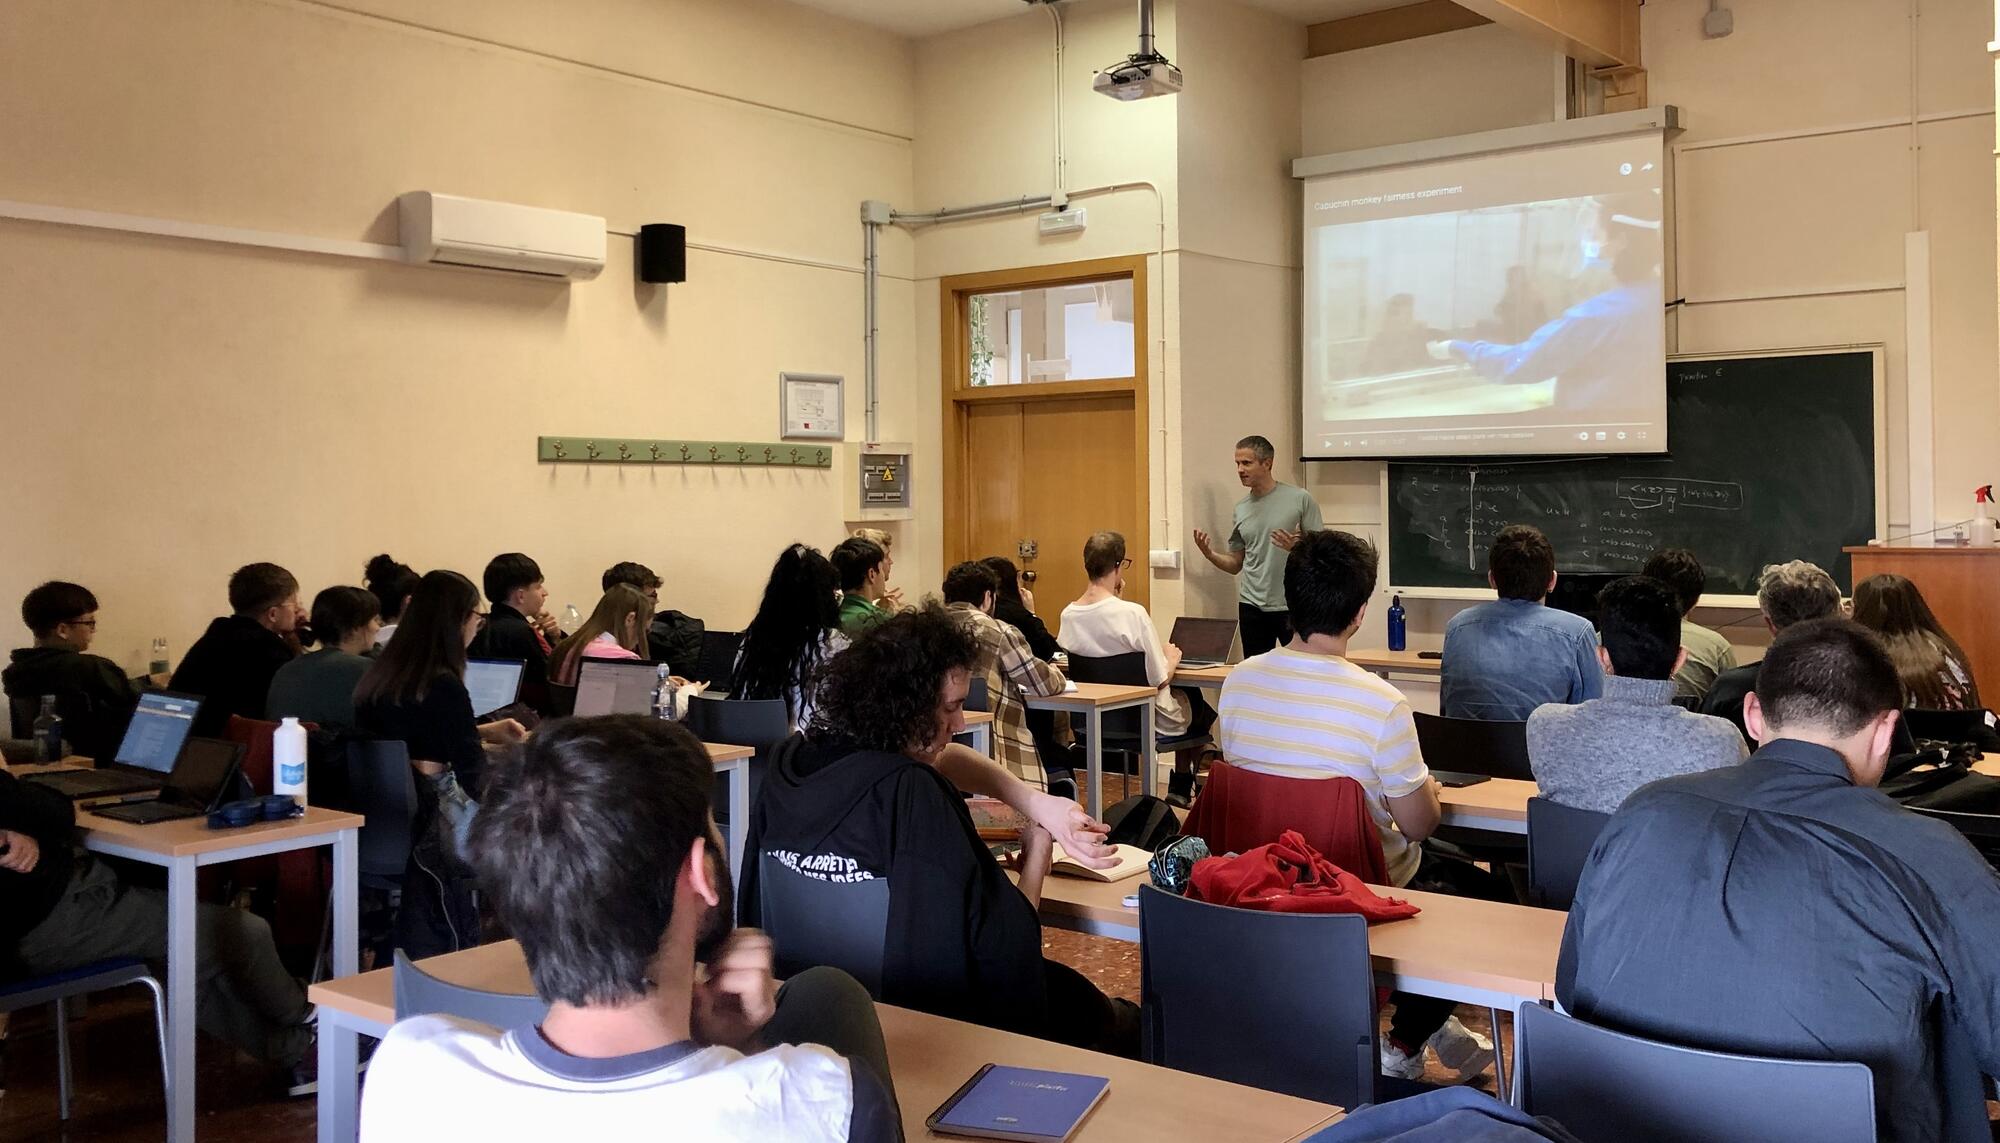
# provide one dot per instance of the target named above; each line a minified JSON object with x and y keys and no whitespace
{"x":663,"y":252}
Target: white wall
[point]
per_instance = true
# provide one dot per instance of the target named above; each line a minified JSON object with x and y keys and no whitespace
{"x":182,"y":408}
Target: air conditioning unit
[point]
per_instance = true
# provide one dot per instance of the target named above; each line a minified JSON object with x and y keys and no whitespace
{"x":447,"y":230}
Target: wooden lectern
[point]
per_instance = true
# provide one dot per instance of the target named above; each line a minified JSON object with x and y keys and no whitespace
{"x":1962,"y":585}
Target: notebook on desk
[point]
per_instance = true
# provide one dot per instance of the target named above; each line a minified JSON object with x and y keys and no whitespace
{"x":152,"y":744}
{"x":1025,"y":1104}
{"x":1132,"y":862}
{"x":1203,"y":642}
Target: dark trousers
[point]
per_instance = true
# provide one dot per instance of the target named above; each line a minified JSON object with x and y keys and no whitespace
{"x":1082,"y":1016}
{"x":1262,"y":630}
{"x":825,"y":1006}
{"x":242,"y":992}
{"x":1418,"y":1017}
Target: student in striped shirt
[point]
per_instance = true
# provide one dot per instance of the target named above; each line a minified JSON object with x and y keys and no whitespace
{"x":1302,"y":710}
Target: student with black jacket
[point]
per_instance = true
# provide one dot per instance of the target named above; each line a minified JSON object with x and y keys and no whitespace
{"x":93,"y":696}
{"x":518,"y":627}
{"x":231,"y":666}
{"x":872,"y":789}
{"x":675,"y":637}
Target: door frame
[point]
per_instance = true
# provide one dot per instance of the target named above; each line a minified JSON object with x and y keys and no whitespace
{"x":960,"y":396}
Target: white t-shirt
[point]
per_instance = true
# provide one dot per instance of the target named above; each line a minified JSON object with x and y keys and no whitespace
{"x":1300,"y":715}
{"x":439,"y":1078}
{"x":1114,"y":626}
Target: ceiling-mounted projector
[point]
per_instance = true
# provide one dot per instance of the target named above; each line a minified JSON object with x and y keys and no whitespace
{"x":1144,"y":73}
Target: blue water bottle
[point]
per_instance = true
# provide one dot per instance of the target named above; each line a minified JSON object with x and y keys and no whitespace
{"x":1398,"y":633}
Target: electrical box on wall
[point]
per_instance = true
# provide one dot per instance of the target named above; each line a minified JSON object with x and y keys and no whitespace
{"x":878,"y":482}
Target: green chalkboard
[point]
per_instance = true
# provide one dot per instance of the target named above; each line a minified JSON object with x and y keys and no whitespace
{"x":1772,"y":458}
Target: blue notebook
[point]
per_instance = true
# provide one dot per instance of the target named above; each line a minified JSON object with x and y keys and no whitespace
{"x":1019,"y":1103}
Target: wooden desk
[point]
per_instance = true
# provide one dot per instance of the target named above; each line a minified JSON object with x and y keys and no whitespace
{"x":1377,"y":660}
{"x":1475,"y":952}
{"x":1094,"y":701}
{"x":1958,"y":585}
{"x":1498,"y":804}
{"x":733,"y":762}
{"x":928,"y":1055}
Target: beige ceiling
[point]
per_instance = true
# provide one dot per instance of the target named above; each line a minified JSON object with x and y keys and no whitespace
{"x":919,"y":18}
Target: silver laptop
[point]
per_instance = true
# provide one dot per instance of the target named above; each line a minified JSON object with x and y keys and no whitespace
{"x":1203,"y":642}
{"x":615,"y":686}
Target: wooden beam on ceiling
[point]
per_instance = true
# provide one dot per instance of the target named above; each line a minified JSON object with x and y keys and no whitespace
{"x":1389,"y":26}
{"x":1601,"y":33}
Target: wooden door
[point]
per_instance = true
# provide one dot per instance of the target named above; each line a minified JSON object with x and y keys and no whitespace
{"x":1051,"y":472}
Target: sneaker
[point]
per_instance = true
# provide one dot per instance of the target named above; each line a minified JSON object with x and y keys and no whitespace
{"x":1461,"y":1049}
{"x":1399,"y":1064}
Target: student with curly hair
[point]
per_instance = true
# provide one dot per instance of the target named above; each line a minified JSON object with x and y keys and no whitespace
{"x":871,"y":789}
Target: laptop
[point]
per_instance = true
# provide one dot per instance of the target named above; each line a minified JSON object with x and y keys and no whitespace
{"x":615,"y":686}
{"x":203,"y":779}
{"x":492,"y":683}
{"x":1203,"y":642}
{"x":152,"y":744}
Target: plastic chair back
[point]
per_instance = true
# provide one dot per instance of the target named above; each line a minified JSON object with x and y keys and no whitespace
{"x":1605,"y":1086}
{"x":1240,"y":810}
{"x":1294,"y":1013}
{"x":254,"y":735}
{"x":757,"y":723}
{"x":717,"y":666}
{"x":1475,"y":746}
{"x":418,"y":993}
{"x":1121,"y":727}
{"x":1559,"y":841}
{"x":976,"y":697}
{"x":562,"y":700}
{"x":383,"y":788}
{"x":843,"y":925}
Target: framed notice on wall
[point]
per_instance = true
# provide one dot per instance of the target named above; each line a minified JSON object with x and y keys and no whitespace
{"x":810,"y":407}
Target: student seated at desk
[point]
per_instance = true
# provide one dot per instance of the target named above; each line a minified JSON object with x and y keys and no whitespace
{"x":62,"y":907}
{"x":873,"y":787}
{"x":795,"y":632}
{"x":863,"y":567}
{"x":1785,"y":907}
{"x":1009,"y":667}
{"x":1303,"y":711}
{"x":232,"y":664}
{"x":675,"y":636}
{"x":1935,"y":672}
{"x":1708,"y":653}
{"x":618,"y":628}
{"x":1595,"y":753}
{"x":391,"y":584}
{"x":318,"y":686}
{"x":519,"y":627}
{"x":1787,"y":594}
{"x":662,"y":1022}
{"x":891,"y":598}
{"x":93,"y":696}
{"x":1102,"y":623}
{"x":1503,"y":659}
{"x":1014,"y":604}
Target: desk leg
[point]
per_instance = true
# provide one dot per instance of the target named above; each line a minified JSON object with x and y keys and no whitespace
{"x":339,"y":1086}
{"x":1094,"y":763}
{"x":346,"y":904}
{"x":181,"y":906}
{"x":739,"y":815}
{"x":1147,"y":730}
{"x":982,"y":738}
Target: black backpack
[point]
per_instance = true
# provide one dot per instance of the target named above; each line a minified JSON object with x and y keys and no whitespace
{"x":1143,"y":821}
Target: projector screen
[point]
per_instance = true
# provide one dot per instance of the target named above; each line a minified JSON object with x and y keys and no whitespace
{"x":1503,"y":304}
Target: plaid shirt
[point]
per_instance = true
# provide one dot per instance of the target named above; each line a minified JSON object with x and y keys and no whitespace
{"x":1009,"y":667}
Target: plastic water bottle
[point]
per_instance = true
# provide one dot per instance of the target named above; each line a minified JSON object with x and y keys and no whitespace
{"x":1398,"y":627}
{"x":572,"y":618}
{"x":666,"y":696}
{"x":288,"y":760}
{"x":48,"y":732}
{"x":158,"y":665}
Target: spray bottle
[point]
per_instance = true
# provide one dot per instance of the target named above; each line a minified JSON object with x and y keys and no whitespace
{"x":1982,"y":524}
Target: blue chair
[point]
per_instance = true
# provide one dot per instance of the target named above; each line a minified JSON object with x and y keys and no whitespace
{"x":843,"y":925}
{"x":1293,"y":1011}
{"x":1607,"y":1086}
{"x":1559,"y":841}
{"x":59,"y":987}
{"x":757,"y":723}
{"x":418,"y":993}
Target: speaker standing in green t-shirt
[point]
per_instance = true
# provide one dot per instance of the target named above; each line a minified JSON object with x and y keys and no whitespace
{"x":1267,"y":523}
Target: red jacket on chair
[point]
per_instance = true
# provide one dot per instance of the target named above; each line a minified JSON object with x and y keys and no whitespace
{"x":1238,"y":810}
{"x":1289,"y":876}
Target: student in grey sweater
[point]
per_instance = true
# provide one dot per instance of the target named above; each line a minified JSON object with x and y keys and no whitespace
{"x":1595,"y":753}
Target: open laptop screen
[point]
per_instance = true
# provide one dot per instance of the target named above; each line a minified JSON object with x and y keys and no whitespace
{"x":1204,"y":640}
{"x":615,"y":686}
{"x":492,"y":683}
{"x":205,"y":767}
{"x":158,"y":729}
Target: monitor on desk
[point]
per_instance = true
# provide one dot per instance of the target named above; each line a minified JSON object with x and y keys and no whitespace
{"x":158,"y":730}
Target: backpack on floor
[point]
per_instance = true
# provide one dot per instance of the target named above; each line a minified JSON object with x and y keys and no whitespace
{"x":1143,"y":821}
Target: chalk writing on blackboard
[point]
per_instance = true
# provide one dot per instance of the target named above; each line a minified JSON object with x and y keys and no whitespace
{"x":1673,"y":493}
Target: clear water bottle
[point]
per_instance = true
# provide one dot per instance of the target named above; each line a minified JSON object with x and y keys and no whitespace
{"x":572,"y":619}
{"x":1399,"y":636}
{"x":48,"y":732}
{"x":666,"y":695}
{"x":158,"y":664}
